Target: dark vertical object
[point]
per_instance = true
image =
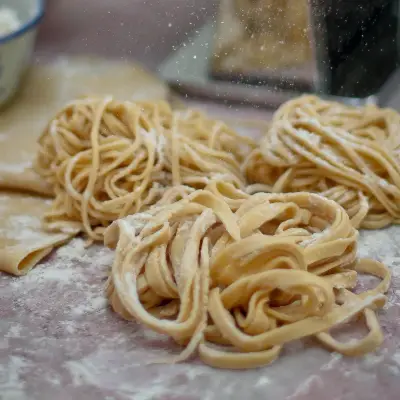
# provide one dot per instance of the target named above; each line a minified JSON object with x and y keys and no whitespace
{"x":357,"y":44}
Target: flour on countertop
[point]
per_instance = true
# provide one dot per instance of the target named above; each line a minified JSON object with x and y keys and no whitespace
{"x":15,"y":168}
{"x":11,"y":384}
{"x":67,"y":336}
{"x":304,"y":388}
{"x":336,"y":357}
{"x":263,"y":382}
{"x":68,"y":267}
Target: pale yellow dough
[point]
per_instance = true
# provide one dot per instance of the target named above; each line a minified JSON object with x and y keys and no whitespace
{"x":106,"y":158}
{"x":46,"y":89}
{"x":347,"y":154}
{"x":248,"y":273}
{"x":230,"y":275}
{"x":23,"y":242}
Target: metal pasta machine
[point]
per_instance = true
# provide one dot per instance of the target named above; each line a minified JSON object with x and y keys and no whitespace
{"x":265,"y":52}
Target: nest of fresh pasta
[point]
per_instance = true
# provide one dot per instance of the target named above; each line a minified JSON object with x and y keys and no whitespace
{"x":231,"y":248}
{"x":248,"y":278}
{"x":347,"y":154}
{"x":107,"y":159}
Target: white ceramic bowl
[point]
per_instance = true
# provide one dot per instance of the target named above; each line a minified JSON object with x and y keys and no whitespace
{"x":16,"y":47}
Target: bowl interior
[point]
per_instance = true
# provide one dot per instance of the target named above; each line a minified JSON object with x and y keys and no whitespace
{"x":25,"y":9}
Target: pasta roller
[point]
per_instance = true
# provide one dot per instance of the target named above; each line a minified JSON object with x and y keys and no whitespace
{"x":267,"y":51}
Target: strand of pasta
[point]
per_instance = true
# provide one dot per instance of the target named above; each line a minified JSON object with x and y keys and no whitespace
{"x":367,"y":121}
{"x":346,"y":154}
{"x":371,"y":122}
{"x":107,"y":159}
{"x":202,"y":259}
{"x":218,"y":267}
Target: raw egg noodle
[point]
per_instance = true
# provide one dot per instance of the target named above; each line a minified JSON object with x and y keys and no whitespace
{"x":107,"y":159}
{"x":230,"y":271}
{"x":347,"y":154}
{"x":370,"y":122}
{"x":236,"y":282}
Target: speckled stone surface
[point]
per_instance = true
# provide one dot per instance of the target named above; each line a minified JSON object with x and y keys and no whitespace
{"x":60,"y":340}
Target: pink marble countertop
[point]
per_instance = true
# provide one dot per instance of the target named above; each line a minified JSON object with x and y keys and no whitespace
{"x":58,"y":337}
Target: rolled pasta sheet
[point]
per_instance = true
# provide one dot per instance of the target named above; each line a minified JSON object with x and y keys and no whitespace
{"x":106,"y":159}
{"x":347,"y":154}
{"x":23,"y":242}
{"x":234,"y":277}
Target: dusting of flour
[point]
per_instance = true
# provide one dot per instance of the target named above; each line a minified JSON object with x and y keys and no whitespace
{"x":59,"y":336}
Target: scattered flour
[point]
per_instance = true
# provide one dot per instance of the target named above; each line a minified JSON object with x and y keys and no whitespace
{"x":305,"y":387}
{"x":394,"y":369}
{"x":21,"y":227}
{"x":96,"y":303}
{"x":14,"y":331}
{"x":11,"y":384}
{"x":263,"y":381}
{"x":70,"y":266}
{"x":311,"y":137}
{"x":371,"y":360}
{"x":74,"y":250}
{"x":396,"y":358}
{"x":335,"y":360}
{"x":15,"y":168}
{"x":314,"y":238}
{"x":65,"y":331}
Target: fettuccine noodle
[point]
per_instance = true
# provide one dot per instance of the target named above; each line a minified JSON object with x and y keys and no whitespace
{"x":347,"y":154}
{"x":229,"y":274}
{"x":235,"y":277}
{"x":107,"y":159}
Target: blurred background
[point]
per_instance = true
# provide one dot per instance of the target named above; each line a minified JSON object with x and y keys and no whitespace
{"x":343,"y":48}
{"x":143,"y":30}
{"x":258,"y":52}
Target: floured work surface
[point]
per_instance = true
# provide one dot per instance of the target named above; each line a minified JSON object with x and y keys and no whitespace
{"x":60,"y":339}
{"x":45,"y":90}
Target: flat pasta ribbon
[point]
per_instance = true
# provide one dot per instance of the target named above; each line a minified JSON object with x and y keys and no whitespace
{"x":235,"y":277}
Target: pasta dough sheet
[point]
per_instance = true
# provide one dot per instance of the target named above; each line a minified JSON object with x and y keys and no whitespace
{"x":46,"y":88}
{"x":23,"y":243}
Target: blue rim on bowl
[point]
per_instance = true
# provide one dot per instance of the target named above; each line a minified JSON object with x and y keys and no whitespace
{"x":27,"y":25}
